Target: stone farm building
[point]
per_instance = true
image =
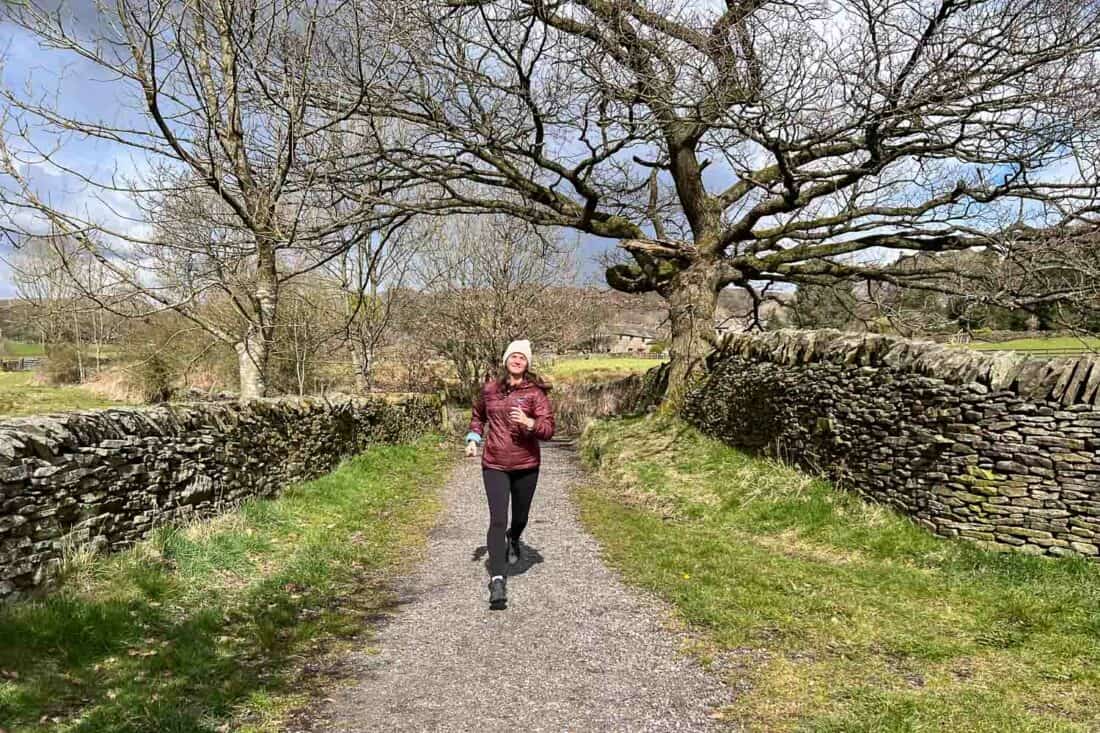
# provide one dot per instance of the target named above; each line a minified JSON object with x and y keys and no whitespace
{"x":626,"y":339}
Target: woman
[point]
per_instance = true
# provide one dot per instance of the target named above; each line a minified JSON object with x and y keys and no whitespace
{"x":513,"y":414}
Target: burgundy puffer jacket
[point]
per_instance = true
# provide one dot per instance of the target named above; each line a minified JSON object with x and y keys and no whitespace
{"x":508,"y":446}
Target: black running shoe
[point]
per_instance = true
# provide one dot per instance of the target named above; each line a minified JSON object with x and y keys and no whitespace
{"x":498,"y":598}
{"x":513,"y":551}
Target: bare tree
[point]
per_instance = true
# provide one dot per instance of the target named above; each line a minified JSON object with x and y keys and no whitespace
{"x":243,"y":172}
{"x":44,"y":270}
{"x":303,"y":335}
{"x":370,"y":285}
{"x":746,"y":142}
{"x":41,"y":283}
{"x":823,"y":306}
{"x":488,"y":280}
{"x":972,"y":286}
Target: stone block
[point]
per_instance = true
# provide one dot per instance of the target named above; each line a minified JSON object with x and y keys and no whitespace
{"x":1084,"y":548}
{"x":1025,"y":532}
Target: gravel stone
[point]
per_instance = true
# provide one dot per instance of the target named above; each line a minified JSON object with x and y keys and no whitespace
{"x":576,"y":650}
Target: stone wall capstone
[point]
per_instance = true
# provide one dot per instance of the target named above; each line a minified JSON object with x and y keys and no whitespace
{"x":1001,"y":448}
{"x":108,"y":477}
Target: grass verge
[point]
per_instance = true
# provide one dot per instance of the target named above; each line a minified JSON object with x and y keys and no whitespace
{"x":208,"y":628}
{"x":834,"y":614}
{"x":598,"y":368}
{"x":20,"y":396}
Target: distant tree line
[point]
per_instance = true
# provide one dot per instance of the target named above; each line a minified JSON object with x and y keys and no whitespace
{"x":419,"y":313}
{"x":968,"y":292}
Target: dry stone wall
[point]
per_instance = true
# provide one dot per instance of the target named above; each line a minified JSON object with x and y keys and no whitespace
{"x":108,"y":477}
{"x":576,"y":404}
{"x":1002,"y":448}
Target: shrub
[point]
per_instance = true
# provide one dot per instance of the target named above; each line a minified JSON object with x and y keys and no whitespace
{"x":154,"y":375}
{"x":62,"y":364}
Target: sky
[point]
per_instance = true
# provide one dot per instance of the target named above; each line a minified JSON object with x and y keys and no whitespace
{"x":33,"y":72}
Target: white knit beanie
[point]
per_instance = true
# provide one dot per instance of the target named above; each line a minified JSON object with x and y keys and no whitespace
{"x":522,"y":346}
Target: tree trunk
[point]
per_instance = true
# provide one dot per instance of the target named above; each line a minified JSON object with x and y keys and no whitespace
{"x":97,"y":331}
{"x":252,"y":366}
{"x":692,"y":301}
{"x":368,"y":368}
{"x":361,"y":364}
{"x":79,"y":355}
{"x":253,"y":351}
{"x":301,"y":353}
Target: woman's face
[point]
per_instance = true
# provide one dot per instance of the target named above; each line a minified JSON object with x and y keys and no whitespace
{"x":517,"y":364}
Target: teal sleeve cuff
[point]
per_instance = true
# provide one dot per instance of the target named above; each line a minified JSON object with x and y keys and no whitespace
{"x":474,"y":437}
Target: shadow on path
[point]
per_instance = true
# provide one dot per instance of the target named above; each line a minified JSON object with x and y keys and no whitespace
{"x":528,"y":558}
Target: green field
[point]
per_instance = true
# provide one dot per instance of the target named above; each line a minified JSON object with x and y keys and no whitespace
{"x":207,"y":628}
{"x":830,"y":614}
{"x":19,"y":396}
{"x":598,"y":368}
{"x":19,"y":348}
{"x":1060,"y":345}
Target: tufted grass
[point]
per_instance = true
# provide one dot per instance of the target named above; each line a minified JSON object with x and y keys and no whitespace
{"x":832,"y":614}
{"x":208,"y":627}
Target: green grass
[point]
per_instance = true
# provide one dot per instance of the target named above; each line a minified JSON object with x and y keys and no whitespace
{"x":20,"y":396}
{"x":19,"y":348}
{"x":598,"y":368}
{"x":206,"y":628}
{"x":1039,"y":345}
{"x":835,"y":614}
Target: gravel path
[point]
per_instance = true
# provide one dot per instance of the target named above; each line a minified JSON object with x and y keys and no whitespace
{"x":575,"y":651}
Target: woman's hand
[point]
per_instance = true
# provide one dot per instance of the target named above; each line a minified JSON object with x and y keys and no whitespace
{"x":520,"y":418}
{"x":471,"y":449}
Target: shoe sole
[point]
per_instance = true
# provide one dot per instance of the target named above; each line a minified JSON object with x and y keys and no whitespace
{"x":500,"y":604}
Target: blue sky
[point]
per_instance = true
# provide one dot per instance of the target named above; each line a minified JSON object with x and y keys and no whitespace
{"x":31,"y":71}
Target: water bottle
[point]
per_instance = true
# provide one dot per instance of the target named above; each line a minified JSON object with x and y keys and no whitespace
{"x":521,"y":403}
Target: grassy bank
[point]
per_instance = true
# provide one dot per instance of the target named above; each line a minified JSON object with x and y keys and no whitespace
{"x":19,"y":396}
{"x":598,"y":368}
{"x":1059,"y":344}
{"x":836,"y":615}
{"x":207,"y":628}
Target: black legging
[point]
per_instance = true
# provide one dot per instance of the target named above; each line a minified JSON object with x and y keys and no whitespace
{"x":499,"y":486}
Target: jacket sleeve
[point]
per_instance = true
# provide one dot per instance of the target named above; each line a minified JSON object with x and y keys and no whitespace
{"x":477,"y":420}
{"x":544,"y":417}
